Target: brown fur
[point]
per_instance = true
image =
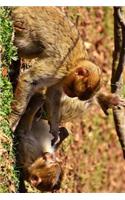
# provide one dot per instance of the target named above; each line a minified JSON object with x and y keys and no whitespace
{"x":35,"y":152}
{"x":56,"y":52}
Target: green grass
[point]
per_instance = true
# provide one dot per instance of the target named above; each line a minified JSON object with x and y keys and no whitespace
{"x":8,"y":175}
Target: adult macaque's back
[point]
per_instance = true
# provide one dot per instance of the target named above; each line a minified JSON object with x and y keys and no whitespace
{"x":44,"y":30}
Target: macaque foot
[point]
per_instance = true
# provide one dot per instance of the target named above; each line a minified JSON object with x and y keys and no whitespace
{"x":13,"y":121}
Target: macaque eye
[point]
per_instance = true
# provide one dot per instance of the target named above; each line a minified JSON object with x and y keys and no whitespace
{"x":34,"y":178}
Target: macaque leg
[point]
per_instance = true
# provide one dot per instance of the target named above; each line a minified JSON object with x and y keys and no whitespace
{"x":53,"y":99}
{"x":23,"y":93}
{"x":21,"y":99}
{"x":29,"y":82}
{"x":22,"y":187}
{"x":36,"y":102}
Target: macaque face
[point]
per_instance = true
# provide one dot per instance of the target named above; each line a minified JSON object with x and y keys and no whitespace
{"x":83,"y":82}
{"x":25,"y":38}
{"x":45,"y":173}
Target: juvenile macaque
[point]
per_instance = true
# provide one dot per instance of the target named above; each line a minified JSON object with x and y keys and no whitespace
{"x":46,"y":37}
{"x":35,"y":152}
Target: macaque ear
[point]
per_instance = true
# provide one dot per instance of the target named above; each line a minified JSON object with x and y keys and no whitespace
{"x":35,"y":180}
{"x":82,"y":72}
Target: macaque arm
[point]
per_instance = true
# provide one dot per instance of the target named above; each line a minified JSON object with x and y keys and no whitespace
{"x":34,"y":105}
{"x":21,"y":98}
{"x":63,"y":134}
{"x":109,"y":100}
{"x":72,"y":108}
{"x":53,"y":100}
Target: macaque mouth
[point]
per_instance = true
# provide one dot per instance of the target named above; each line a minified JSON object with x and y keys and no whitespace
{"x":90,"y":92}
{"x":86,"y":95}
{"x":19,"y":29}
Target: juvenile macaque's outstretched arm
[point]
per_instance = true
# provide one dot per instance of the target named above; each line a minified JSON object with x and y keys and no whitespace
{"x":53,"y":99}
{"x":109,"y":100}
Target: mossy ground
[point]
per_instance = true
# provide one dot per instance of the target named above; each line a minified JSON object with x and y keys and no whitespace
{"x":8,"y":179}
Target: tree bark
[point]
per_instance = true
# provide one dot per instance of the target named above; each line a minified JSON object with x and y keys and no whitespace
{"x":117,"y":72}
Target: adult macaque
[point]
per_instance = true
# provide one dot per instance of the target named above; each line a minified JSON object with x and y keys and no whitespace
{"x":34,"y":150}
{"x":57,"y":61}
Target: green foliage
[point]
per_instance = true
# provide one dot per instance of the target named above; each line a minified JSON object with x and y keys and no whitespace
{"x":7,"y":54}
{"x":6,"y":96}
{"x":9,"y":51}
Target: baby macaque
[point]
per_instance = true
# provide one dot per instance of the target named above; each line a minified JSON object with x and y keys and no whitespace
{"x":51,"y":43}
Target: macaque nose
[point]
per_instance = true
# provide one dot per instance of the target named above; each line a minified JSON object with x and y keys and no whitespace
{"x":49,"y":157}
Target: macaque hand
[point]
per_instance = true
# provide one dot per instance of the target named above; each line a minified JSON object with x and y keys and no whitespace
{"x":107,"y":101}
{"x":121,"y":101}
{"x":116,"y":101}
{"x":63,"y":133}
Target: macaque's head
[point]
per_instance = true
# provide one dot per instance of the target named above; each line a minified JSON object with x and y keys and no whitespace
{"x":25,"y":37}
{"x":45,"y":173}
{"x":83,"y":82}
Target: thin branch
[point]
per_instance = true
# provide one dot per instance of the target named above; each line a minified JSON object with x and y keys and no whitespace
{"x":117,"y":69}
